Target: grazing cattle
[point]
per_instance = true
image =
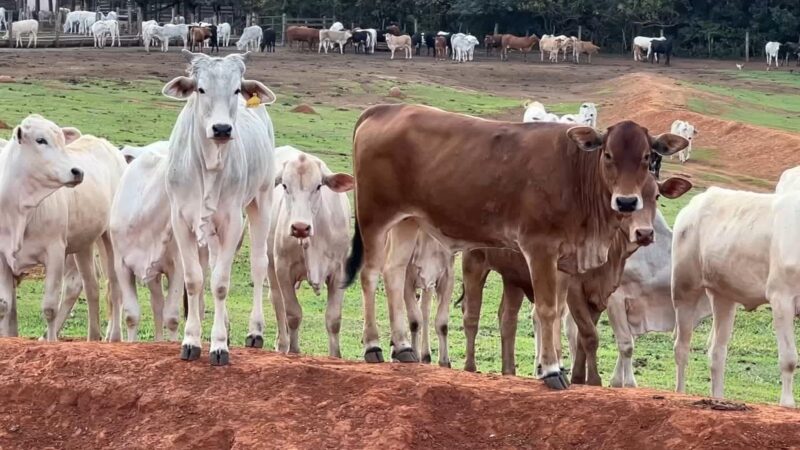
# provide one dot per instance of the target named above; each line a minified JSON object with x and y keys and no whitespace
{"x":268,"y":39}
{"x":250,"y":39}
{"x":587,"y":115}
{"x":399,"y":42}
{"x":535,"y":112}
{"x":441,"y":48}
{"x":373,"y":38}
{"x":790,"y":50}
{"x":430,"y":270}
{"x":308,"y":238}
{"x":552,"y":45}
{"x":198,"y":35}
{"x":464,"y":47}
{"x":43,"y":222}
{"x":584,"y":48}
{"x":688,"y":131}
{"x":361,"y":41}
{"x":172,"y":31}
{"x":522,"y":44}
{"x":302,"y":34}
{"x":736,"y":247}
{"x":661,"y":47}
{"x":220,"y":162}
{"x":333,"y":37}
{"x":771,"y":50}
{"x":542,"y":164}
{"x":641,"y":47}
{"x":143,"y":243}
{"x":224,"y":34}
{"x":493,"y":41}
{"x":28,"y":27}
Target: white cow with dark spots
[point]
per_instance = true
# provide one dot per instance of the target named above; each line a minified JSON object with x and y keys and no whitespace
{"x":309,"y":238}
{"x":220,"y":162}
{"x":688,"y":131}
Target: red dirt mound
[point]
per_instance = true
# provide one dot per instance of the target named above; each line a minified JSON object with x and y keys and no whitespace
{"x":656,"y":101}
{"x":303,"y":109}
{"x":94,"y":395}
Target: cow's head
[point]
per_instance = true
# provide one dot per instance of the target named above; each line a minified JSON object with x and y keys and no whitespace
{"x":215,"y":88}
{"x":588,"y":112}
{"x":639,"y":225}
{"x":303,"y":178}
{"x":624,"y":154}
{"x":39,"y":157}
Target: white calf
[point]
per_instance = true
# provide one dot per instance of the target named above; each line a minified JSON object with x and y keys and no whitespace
{"x":535,"y":112}
{"x":170,"y":31}
{"x":42,"y":222}
{"x":220,"y":162}
{"x":401,"y":42}
{"x":250,"y":39}
{"x":309,"y":238}
{"x":29,"y":27}
{"x":587,"y":115}
{"x":771,"y":50}
{"x":687,"y":130}
{"x":103,"y":28}
{"x":331,"y":38}
{"x":224,"y":34}
{"x":463,"y":46}
{"x":737,"y":247}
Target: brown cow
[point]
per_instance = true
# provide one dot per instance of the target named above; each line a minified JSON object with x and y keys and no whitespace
{"x":545,"y":188}
{"x":198,"y":36}
{"x":588,"y":292}
{"x":302,"y":34}
{"x":523,"y":44}
{"x":492,"y":41}
{"x":441,"y":47}
{"x":394,"y":30}
{"x":584,"y":48}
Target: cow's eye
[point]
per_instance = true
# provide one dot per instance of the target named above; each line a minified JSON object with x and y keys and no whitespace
{"x":284,"y":186}
{"x":319,"y":187}
{"x":607,"y":155}
{"x":201,"y":90}
{"x":237,"y":92}
{"x":41,"y":141}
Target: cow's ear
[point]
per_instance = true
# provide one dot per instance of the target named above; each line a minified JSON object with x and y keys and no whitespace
{"x":251,"y":87}
{"x":180,"y":88}
{"x":18,"y":134}
{"x":340,"y":182}
{"x":278,"y":180}
{"x":586,"y":138}
{"x":71,"y":134}
{"x":668,"y":144}
{"x":674,"y":187}
{"x":192,"y":57}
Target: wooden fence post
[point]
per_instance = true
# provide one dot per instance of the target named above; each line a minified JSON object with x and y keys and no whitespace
{"x":496,"y":27}
{"x":747,"y":46}
{"x":10,"y":34}
{"x":58,"y":27}
{"x":580,"y":32}
{"x":283,"y":30}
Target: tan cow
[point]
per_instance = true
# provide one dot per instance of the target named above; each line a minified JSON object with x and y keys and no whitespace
{"x":399,"y":42}
{"x":523,"y":44}
{"x":552,"y":45}
{"x":441,"y":48}
{"x":584,"y":48}
{"x":547,"y":189}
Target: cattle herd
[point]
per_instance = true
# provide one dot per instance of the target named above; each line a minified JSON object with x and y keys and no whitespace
{"x":564,"y":212}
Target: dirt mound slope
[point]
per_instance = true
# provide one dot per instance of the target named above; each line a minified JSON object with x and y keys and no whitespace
{"x":656,"y":101}
{"x":94,"y":395}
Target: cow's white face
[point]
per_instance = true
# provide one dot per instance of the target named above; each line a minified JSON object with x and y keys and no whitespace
{"x":41,"y":157}
{"x":588,"y":112}
{"x":303,"y":180}
{"x":216,"y":86}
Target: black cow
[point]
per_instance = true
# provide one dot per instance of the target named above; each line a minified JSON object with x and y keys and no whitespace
{"x":660,"y":48}
{"x":788,"y":51}
{"x":416,"y":42}
{"x":360,"y":39}
{"x":430,"y":42}
{"x":268,"y":39}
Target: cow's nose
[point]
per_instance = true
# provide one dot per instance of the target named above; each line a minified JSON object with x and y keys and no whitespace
{"x":301,"y":230}
{"x":627,"y":204}
{"x":77,"y":174}
{"x":221,"y":130}
{"x":644,"y":236}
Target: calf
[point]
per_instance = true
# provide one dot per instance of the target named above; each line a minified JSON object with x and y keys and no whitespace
{"x":29,"y":27}
{"x":310,"y":219}
{"x":361,"y":41}
{"x":399,"y":42}
{"x":552,"y":45}
{"x":333,"y":37}
{"x":42,"y":223}
{"x":441,"y":48}
{"x":170,"y":31}
{"x":771,"y":50}
{"x":268,"y":40}
{"x":661,"y":47}
{"x":493,"y":41}
{"x":641,"y":47}
{"x":587,"y":115}
{"x":220,"y":162}
{"x":688,"y":131}
{"x":464,"y":47}
{"x":224,"y":34}
{"x":250,"y":39}
{"x":584,"y":48}
{"x":535,"y":112}
{"x":736,"y":247}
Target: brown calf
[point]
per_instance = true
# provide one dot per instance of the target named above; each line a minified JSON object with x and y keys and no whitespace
{"x":523,"y":44}
{"x":547,"y":189}
{"x":198,"y":36}
{"x":441,"y":47}
{"x":584,"y":48}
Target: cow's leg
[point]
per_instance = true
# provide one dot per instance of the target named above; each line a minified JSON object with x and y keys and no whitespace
{"x":282,"y":335}
{"x":85,"y":260}
{"x":374,"y":243}
{"x":425,"y":305}
{"x":783,"y":312}
{"x":259,"y":217}
{"x":228,"y":235}
{"x":414,"y":313}
{"x":113,"y":292}
{"x":294,"y":312}
{"x":8,"y":324}
{"x":685,"y":302}
{"x":157,"y":303}
{"x":474,"y":277}
{"x":392,"y":50}
{"x":444,"y":292}
{"x":333,"y":315}
{"x":130,"y":302}
{"x":172,"y":306}
{"x":193,"y":279}
{"x":72,"y":287}
{"x":624,"y":338}
{"x":724,"y":314}
{"x":402,"y":239}
{"x":507,"y":315}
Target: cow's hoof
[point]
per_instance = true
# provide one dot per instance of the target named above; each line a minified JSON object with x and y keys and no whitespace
{"x":254,"y":341}
{"x":556,"y":381}
{"x":406,"y":355}
{"x":373,"y":355}
{"x":190,"y":352}
{"x":426,"y":358}
{"x":219,"y":358}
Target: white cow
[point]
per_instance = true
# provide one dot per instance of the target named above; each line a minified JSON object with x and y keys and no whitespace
{"x":399,"y":42}
{"x":87,"y":19}
{"x":687,"y":130}
{"x":220,"y":162}
{"x":224,"y":34}
{"x":552,"y":45}
{"x":42,"y":222}
{"x":72,"y":22}
{"x":250,"y":39}
{"x":536,"y":112}
{"x":737,"y":247}
{"x":29,"y":27}
{"x":331,"y":38}
{"x":642,"y":44}
{"x":373,"y":38}
{"x":587,"y":115}
{"x":771,"y":50}
{"x":171,"y":31}
{"x":429,"y":270}
{"x":151,"y":31}
{"x":642,"y":303}
{"x":3,"y":22}
{"x":132,"y":152}
{"x":789,"y":181}
{"x":103,"y":28}
{"x":144,"y":247}
{"x":463,"y":47}
{"x":3,"y":143}
{"x":309,"y":238}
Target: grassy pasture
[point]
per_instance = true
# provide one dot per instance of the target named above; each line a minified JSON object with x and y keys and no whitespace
{"x":136,"y":113}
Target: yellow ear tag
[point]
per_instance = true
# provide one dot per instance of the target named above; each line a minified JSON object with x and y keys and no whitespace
{"x":253,"y":101}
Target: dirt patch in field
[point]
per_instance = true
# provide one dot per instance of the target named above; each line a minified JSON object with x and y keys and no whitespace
{"x":656,"y":101}
{"x":93,"y":395}
{"x":303,"y":109}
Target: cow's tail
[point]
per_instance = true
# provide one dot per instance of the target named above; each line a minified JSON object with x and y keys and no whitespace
{"x":460,"y":297}
{"x":185,"y":303}
{"x":356,"y":258}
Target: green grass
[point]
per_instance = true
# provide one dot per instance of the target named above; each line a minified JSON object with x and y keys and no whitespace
{"x":775,"y":76}
{"x":136,"y":112}
{"x":780,"y":111}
